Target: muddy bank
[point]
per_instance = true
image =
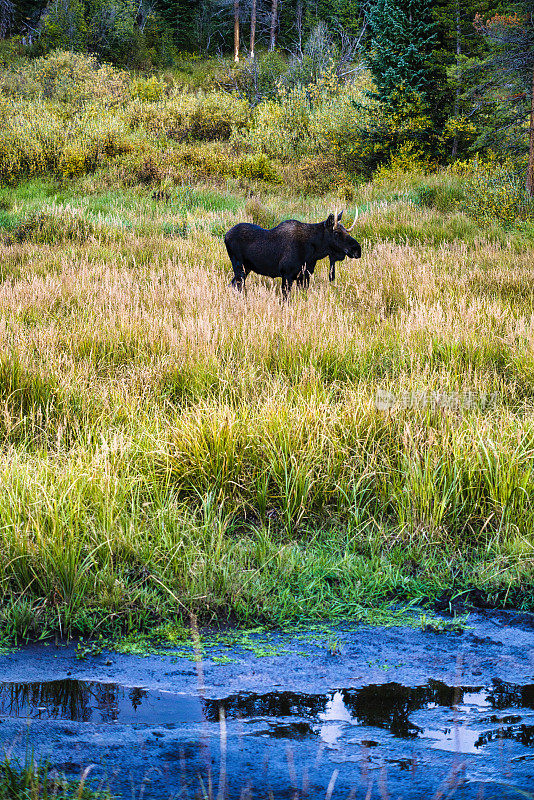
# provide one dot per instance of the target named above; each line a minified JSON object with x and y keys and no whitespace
{"x":394,"y":709}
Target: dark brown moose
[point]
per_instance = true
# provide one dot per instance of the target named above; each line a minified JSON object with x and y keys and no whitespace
{"x":290,"y":251}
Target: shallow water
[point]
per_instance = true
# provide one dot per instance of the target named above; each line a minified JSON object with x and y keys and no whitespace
{"x":290,"y":722}
{"x":481,"y":714}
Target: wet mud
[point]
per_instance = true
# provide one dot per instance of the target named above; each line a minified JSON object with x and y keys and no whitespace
{"x":394,"y":713}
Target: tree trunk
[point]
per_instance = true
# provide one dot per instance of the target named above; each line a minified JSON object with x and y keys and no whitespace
{"x":274,"y":20}
{"x":236,"y":31}
{"x":458,"y":75}
{"x":252,"y":28}
{"x":299,"y":26}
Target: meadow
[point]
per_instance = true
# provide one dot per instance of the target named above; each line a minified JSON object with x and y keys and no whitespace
{"x":172,"y":447}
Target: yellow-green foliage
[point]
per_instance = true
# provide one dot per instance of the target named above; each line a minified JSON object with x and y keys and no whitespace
{"x":73,"y":78}
{"x":313,"y":120}
{"x":257,"y":167}
{"x":37,"y":137}
{"x":406,"y":167}
{"x":150,"y":89}
{"x":202,"y":116}
{"x":492,"y":190}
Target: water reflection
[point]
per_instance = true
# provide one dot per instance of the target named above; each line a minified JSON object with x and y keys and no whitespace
{"x":388,"y":706}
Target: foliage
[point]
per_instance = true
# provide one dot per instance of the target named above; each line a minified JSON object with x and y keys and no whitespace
{"x":257,"y":167}
{"x":402,"y":38}
{"x":202,"y":116}
{"x":509,"y":68}
{"x":63,"y":26}
{"x":66,"y":77}
{"x":493,"y":190}
{"x":149,"y":89}
{"x":113,"y":29}
{"x":259,"y":78}
{"x":316,"y":121}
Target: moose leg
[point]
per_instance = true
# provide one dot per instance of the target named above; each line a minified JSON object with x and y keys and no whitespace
{"x":332,"y":272}
{"x":238,"y":281}
{"x":303,"y":278}
{"x":286,"y":286}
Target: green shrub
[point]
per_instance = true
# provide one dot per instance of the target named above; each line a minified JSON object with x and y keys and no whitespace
{"x":35,"y":138}
{"x":315,"y":174}
{"x":442,"y":192}
{"x":493,"y":190}
{"x":191,"y":117}
{"x":260,"y":214}
{"x":74,"y":78}
{"x":314,"y":121}
{"x":259,"y":79}
{"x":49,"y":225}
{"x":209,"y":159}
{"x":257,"y":167}
{"x":150,"y":89}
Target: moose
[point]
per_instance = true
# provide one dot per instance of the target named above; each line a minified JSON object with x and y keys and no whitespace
{"x":290,"y":251}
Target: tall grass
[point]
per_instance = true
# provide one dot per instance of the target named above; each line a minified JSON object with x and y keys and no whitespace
{"x":165,"y":437}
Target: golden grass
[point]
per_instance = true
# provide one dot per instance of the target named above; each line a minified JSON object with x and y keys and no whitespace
{"x":152,"y":416}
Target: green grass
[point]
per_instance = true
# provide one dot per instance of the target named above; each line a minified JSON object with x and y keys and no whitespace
{"x":170,"y":447}
{"x":38,"y":780}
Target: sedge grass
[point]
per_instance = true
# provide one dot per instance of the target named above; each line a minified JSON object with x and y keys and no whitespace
{"x":160,"y":430}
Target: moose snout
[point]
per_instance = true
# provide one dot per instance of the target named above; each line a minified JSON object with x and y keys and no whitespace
{"x":355,"y":251}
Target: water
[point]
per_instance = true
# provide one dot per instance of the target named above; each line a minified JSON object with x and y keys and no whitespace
{"x":463,"y":719}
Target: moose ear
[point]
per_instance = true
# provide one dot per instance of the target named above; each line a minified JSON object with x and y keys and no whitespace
{"x":339,"y":215}
{"x":330,"y":221}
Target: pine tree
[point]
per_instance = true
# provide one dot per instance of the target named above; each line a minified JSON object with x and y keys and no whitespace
{"x":510,"y":67}
{"x":402,"y":38}
{"x":181,"y":16}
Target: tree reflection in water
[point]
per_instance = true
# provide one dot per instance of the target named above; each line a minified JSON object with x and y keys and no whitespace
{"x":388,"y":706}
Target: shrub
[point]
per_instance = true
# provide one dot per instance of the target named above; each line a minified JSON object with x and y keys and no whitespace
{"x":312,"y":121}
{"x":49,"y":225}
{"x":191,"y":117}
{"x":282,"y":129}
{"x":406,"y":167}
{"x":259,"y":79}
{"x":260,"y":214}
{"x":315,"y":174}
{"x":74,"y":78}
{"x":210,"y":159}
{"x":148,"y":171}
{"x":493,"y":190}
{"x":257,"y":167}
{"x":150,"y":89}
{"x":36,"y":138}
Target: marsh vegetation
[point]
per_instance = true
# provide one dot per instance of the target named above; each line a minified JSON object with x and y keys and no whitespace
{"x":169,"y":446}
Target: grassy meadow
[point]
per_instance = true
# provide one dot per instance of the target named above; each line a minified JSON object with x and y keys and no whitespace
{"x":170,"y":446}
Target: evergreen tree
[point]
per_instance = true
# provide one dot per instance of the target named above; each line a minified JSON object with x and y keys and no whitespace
{"x":458,"y":44}
{"x":402,"y":37}
{"x":509,"y":69}
{"x":181,"y":16}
